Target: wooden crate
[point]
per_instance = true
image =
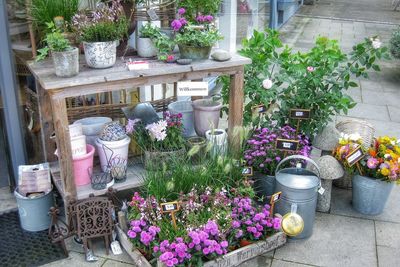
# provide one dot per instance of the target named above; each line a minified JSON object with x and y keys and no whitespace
{"x":233,"y":258}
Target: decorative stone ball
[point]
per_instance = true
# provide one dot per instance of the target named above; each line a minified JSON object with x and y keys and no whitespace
{"x":113,"y":131}
{"x":327,"y":139}
{"x":221,"y":55}
{"x":329,"y":167}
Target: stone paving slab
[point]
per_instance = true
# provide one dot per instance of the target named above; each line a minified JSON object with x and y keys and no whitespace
{"x":7,"y":200}
{"x":341,"y":205}
{"x":394,"y":113}
{"x":388,"y":257}
{"x":280,"y":263}
{"x":369,"y":111}
{"x":387,"y":234}
{"x":75,"y":260}
{"x":111,"y":263}
{"x":336,"y":241}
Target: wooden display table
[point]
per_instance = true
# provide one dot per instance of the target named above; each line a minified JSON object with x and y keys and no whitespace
{"x":53,"y":91}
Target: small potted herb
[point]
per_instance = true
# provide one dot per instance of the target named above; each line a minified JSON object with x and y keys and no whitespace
{"x":101,"y":30}
{"x":65,"y":57}
{"x":148,"y":34}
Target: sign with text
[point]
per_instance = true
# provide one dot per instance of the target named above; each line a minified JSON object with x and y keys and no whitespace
{"x":260,"y":109}
{"x":169,"y":207}
{"x":275,"y":197}
{"x":192,"y":88}
{"x":247,"y":171}
{"x":300,"y":114}
{"x":355,"y":156}
{"x":152,"y":14}
{"x":287,"y":145}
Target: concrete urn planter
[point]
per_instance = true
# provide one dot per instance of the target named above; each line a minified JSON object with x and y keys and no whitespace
{"x":66,"y":63}
{"x":145,"y":47}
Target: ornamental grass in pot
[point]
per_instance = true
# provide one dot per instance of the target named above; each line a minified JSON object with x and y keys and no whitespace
{"x":65,"y":57}
{"x":376,"y":175}
{"x":195,"y":36}
{"x":261,"y":154}
{"x":161,"y":141}
{"x":100,"y":31}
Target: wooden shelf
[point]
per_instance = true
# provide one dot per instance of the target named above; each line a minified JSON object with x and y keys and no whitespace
{"x":135,"y":174}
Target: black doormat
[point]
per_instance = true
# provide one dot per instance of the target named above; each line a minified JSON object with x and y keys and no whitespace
{"x":22,"y":248}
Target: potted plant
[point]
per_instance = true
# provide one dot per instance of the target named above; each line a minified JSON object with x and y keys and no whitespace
{"x":206,"y":114}
{"x":261,"y":154}
{"x":148,"y":34}
{"x":100,"y":30}
{"x":347,"y":143}
{"x":161,"y":141}
{"x":376,"y":175}
{"x":65,"y":57}
{"x":195,"y":37}
{"x":112,"y":145}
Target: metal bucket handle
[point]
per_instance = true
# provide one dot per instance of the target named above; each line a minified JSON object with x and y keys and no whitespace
{"x":303,"y":158}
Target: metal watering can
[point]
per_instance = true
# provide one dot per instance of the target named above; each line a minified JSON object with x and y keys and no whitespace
{"x":299,"y":189}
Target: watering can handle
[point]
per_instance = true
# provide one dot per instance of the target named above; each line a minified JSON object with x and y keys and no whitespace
{"x":299,"y":157}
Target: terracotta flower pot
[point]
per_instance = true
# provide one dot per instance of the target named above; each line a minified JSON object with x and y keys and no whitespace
{"x":245,"y":242}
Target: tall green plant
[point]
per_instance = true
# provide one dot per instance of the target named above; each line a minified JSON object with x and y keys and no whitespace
{"x":199,"y":7}
{"x":44,"y":11}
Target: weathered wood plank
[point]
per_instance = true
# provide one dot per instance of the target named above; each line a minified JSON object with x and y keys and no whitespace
{"x":60,"y":120}
{"x":235,"y":116}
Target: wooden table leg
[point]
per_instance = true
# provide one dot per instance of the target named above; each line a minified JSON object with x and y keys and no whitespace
{"x":60,"y":120}
{"x":46,"y":124}
{"x":235,"y":116}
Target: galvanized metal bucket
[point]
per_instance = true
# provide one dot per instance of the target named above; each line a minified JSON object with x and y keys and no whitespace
{"x":299,"y":186}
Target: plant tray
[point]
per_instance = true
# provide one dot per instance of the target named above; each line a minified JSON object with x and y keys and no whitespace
{"x":233,"y":258}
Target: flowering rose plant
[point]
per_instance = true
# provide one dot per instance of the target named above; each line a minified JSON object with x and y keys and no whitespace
{"x":261,"y":154}
{"x":382,"y":160}
{"x":106,"y":23}
{"x":347,"y":144}
{"x":163,"y":135}
{"x":200,"y":32}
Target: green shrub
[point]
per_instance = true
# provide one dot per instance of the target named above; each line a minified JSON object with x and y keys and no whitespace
{"x":395,"y":44}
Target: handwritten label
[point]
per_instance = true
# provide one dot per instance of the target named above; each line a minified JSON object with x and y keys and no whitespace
{"x":275,"y":197}
{"x":260,"y":109}
{"x":355,"y":156}
{"x":287,"y":145}
{"x":247,"y":171}
{"x":192,"y":88}
{"x":137,"y":65}
{"x":152,"y":14}
{"x":300,"y":114}
{"x":169,"y":207}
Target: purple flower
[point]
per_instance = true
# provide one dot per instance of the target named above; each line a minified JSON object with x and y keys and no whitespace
{"x":130,"y":126}
{"x":224,"y":244}
{"x":208,"y":18}
{"x":239,"y":234}
{"x":235,"y":224}
{"x":131,"y":234}
{"x":200,"y":19}
{"x":206,"y":251}
{"x":176,"y":25}
{"x":183,"y":21}
{"x":372,"y":163}
{"x":181,"y":11}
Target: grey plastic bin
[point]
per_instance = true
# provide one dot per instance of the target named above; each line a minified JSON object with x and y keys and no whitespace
{"x":33,"y":212}
{"x":186,"y":109}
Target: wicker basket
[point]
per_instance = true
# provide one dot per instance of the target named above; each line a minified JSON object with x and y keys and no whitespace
{"x":363,"y":128}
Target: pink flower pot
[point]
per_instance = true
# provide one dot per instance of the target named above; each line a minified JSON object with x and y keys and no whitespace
{"x":81,"y":166}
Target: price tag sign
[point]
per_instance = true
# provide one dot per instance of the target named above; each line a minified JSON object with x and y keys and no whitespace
{"x":355,"y":156}
{"x":247,"y":171}
{"x":275,"y":197}
{"x":260,"y":109}
{"x":152,"y":14}
{"x":287,"y":145}
{"x":300,"y":114}
{"x":169,"y":207}
{"x":192,"y":88}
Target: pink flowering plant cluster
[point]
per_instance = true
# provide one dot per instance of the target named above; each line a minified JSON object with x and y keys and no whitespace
{"x":209,"y":224}
{"x":163,"y":135}
{"x":200,"y":32}
{"x":260,"y":152}
{"x":106,"y":23}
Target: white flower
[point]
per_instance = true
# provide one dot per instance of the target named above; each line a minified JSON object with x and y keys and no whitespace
{"x":376,"y":44}
{"x":158,"y":130}
{"x":387,"y":156}
{"x":267,"y":83}
{"x":355,"y":137}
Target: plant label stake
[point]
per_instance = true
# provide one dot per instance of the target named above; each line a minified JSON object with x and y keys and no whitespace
{"x":299,"y":115}
{"x":247,"y":171}
{"x":354,"y":157}
{"x":152,"y":14}
{"x":287,"y":145}
{"x":259,"y":110}
{"x":171,"y":208}
{"x":274,"y":198}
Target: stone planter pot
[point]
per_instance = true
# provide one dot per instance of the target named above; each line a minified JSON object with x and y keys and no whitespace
{"x":219,"y":141}
{"x":206,"y":115}
{"x":155,"y":160}
{"x":100,"y":55}
{"x":194,"y":52}
{"x":264,"y":185}
{"x":345,"y":182}
{"x":370,"y":195}
{"x":66,"y":63}
{"x":145,"y":47}
{"x":109,"y":150}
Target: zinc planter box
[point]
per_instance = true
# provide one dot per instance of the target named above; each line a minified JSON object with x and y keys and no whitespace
{"x":233,"y":258}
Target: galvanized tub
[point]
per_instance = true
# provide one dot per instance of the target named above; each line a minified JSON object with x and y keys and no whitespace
{"x":299,"y":186}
